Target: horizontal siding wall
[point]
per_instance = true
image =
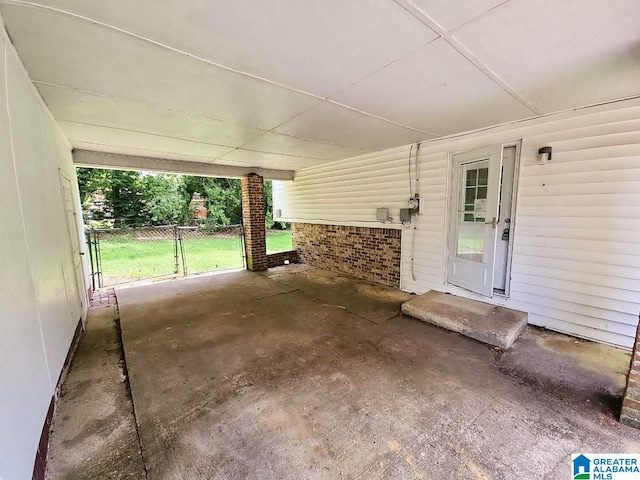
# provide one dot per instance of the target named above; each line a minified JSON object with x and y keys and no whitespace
{"x":576,"y":258}
{"x":40,"y":300}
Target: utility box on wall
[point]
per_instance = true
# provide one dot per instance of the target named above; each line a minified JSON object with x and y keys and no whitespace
{"x":382,"y":214}
{"x":405,"y":215}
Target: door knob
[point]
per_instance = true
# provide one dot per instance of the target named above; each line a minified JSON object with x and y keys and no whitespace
{"x":493,"y":222}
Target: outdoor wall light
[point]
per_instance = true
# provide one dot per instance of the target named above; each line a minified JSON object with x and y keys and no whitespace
{"x":544,"y":155}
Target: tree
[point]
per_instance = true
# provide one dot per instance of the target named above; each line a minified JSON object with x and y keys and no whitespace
{"x":189,"y":185}
{"x":91,"y":180}
{"x":163,"y":204}
{"x":134,"y":198}
{"x":224,"y":201}
{"x":125,"y":198}
{"x":268,"y":202}
{"x":222,"y":195}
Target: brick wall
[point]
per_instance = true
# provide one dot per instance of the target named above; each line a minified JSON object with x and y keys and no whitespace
{"x":253,"y":219}
{"x":367,"y":253}
{"x":277,"y":259}
{"x":630,"y":414}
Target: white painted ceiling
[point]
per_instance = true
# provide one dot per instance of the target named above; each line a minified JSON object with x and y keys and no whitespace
{"x":288,"y":84}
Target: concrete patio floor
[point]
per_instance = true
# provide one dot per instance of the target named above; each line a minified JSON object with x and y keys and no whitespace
{"x":301,"y":373}
{"x":94,"y":432}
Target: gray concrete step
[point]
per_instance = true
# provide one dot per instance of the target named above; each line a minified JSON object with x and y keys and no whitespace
{"x":499,"y":326}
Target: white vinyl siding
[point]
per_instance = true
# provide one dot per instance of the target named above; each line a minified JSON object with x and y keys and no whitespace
{"x":39,"y":315}
{"x":576,"y":255}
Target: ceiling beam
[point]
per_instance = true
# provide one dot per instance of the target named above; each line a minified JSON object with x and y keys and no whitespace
{"x":116,"y":161}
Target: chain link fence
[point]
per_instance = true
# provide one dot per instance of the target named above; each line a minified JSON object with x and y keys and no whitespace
{"x":211,"y":248}
{"x":122,"y":255}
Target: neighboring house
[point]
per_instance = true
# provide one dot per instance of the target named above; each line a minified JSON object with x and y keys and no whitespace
{"x":95,"y":207}
{"x":197,"y":208}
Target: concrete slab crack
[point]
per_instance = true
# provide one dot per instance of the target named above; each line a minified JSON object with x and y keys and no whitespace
{"x":275,"y":295}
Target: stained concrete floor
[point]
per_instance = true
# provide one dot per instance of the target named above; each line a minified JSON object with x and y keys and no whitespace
{"x":301,"y":373}
{"x":94,"y":435}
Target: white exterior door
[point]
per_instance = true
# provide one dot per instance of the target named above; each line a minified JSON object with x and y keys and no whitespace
{"x":474,"y":217}
{"x":75,"y":287}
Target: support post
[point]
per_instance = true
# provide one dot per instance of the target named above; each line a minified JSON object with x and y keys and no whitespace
{"x":253,"y":218}
{"x":630,"y":414}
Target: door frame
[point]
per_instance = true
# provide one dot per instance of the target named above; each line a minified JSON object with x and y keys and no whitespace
{"x":512,"y":229}
{"x":451,"y":190}
{"x":78,"y":276}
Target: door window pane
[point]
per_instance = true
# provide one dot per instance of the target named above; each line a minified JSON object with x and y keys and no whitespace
{"x":483,"y":176}
{"x":470,"y":245}
{"x":475,"y":193}
{"x":472,"y":179}
{"x":470,"y":196}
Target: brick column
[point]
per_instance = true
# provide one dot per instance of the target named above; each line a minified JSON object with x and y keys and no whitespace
{"x":630,"y":414}
{"x":253,"y":218}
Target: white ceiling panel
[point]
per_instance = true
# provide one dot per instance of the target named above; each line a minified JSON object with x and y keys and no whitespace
{"x":266,"y":160}
{"x":247,"y":80}
{"x":319,"y":46}
{"x":435,"y":89}
{"x":333,"y":123}
{"x":80,"y":107}
{"x":65,"y":51}
{"x":279,"y":143}
{"x":561,"y":54}
{"x":450,"y":14}
{"x":137,"y":142}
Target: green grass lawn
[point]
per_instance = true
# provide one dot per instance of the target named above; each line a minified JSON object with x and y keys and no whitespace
{"x":279,"y":241}
{"x":127,"y":259}
{"x":212,"y":253}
